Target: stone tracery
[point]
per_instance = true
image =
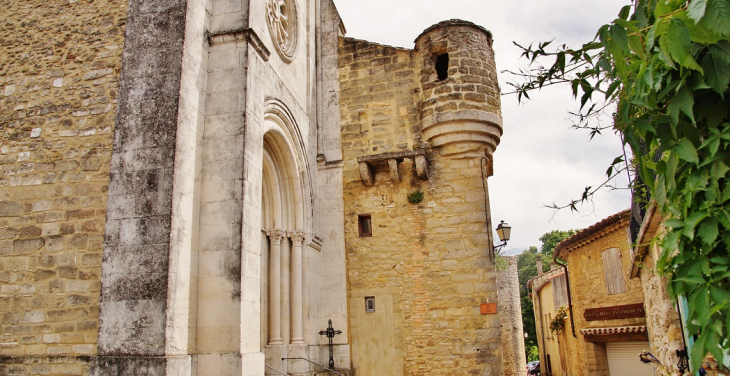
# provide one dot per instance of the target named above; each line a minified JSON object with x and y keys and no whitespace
{"x":282,"y":19}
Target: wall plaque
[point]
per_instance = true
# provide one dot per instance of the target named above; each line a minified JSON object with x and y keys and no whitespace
{"x":488,"y":308}
{"x":615,"y":312}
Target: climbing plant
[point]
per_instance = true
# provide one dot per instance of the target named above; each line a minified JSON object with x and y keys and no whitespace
{"x":557,"y":324}
{"x":665,"y":66}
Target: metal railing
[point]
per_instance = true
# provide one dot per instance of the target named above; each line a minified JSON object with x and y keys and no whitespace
{"x":311,"y":362}
{"x":276,"y":370}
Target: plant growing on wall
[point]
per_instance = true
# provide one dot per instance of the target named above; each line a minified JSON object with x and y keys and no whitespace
{"x":415,"y":197}
{"x":665,"y":65}
{"x":557,"y":324}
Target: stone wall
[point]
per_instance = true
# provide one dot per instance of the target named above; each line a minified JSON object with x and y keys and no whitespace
{"x":510,"y":317}
{"x":59,"y":73}
{"x":426,"y":264}
{"x":378,"y":99}
{"x":662,"y":319}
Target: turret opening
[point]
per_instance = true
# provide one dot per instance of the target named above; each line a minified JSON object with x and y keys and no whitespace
{"x":442,"y":66}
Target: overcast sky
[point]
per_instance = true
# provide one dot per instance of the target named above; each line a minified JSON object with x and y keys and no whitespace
{"x":540,"y":160}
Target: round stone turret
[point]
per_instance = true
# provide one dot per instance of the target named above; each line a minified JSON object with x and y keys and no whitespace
{"x":460,"y":107}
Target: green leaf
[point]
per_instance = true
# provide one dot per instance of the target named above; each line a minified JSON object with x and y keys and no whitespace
{"x":677,"y":40}
{"x":624,"y":13}
{"x":719,"y":169}
{"x":612,"y":87}
{"x":672,"y":164}
{"x":692,"y":222}
{"x":696,"y":10}
{"x":619,"y":35}
{"x":674,"y":223}
{"x":701,"y":34}
{"x":717,"y":16}
{"x":717,"y":72}
{"x":689,"y":278}
{"x":708,"y":230}
{"x":685,"y":150}
{"x":635,"y":45}
{"x":719,"y":295}
{"x":651,"y":36}
{"x":663,"y":7}
{"x":698,"y":351}
{"x":721,"y":50}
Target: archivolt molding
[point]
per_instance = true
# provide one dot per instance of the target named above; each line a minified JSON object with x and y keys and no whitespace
{"x":281,"y":126}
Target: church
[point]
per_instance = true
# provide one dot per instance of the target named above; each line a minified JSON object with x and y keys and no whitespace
{"x":234,"y":187}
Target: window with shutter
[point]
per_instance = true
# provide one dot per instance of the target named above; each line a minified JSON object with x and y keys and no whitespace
{"x":613,"y":271}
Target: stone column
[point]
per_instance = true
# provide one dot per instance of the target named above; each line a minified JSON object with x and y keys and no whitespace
{"x":297,"y":238}
{"x":275,"y":237}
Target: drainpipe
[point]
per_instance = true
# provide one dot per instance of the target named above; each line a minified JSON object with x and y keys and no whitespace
{"x":570,"y":301}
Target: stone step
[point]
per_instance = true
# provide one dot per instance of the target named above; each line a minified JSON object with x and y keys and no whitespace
{"x":345,"y":372}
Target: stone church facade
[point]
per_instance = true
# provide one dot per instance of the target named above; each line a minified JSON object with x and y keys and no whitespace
{"x":197,"y":187}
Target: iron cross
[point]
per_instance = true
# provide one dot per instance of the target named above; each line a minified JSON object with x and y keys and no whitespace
{"x":330,"y":333}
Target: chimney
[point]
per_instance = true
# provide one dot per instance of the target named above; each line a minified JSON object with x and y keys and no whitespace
{"x":538,"y":261}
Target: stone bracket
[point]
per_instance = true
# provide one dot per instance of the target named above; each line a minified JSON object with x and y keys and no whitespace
{"x":366,"y":163}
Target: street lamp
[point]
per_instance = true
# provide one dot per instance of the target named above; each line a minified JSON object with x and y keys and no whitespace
{"x":503,"y":231}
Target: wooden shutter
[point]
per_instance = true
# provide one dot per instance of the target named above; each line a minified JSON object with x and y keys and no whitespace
{"x":613,"y":271}
{"x":560,"y":291}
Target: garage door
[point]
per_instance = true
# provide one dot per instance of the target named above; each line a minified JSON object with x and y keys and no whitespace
{"x":623,"y":359}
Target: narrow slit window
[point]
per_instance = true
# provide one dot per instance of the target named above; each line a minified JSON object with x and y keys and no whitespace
{"x":369,"y":304}
{"x":365,"y":225}
{"x":442,"y":66}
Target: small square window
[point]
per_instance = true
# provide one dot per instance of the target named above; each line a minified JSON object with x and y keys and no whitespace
{"x":369,"y":304}
{"x":365,"y":225}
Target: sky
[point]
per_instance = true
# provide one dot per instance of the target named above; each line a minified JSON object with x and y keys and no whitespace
{"x":540,"y":160}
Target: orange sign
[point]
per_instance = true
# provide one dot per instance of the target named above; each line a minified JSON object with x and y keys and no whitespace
{"x":489,"y":308}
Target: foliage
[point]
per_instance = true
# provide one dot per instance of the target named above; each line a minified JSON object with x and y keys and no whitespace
{"x":557,"y":324}
{"x":415,"y":197}
{"x":665,"y":65}
{"x":551,"y":239}
{"x":533,"y":354}
{"x":501,"y":262}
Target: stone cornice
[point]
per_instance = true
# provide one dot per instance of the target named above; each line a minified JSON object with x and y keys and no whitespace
{"x":244,"y":34}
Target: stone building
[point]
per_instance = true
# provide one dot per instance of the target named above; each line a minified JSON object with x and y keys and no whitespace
{"x":198,"y":187}
{"x":549,"y":293}
{"x":606,"y":327}
{"x":663,"y":321}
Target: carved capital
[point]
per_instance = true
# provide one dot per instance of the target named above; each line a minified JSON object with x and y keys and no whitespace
{"x":297,"y":237}
{"x":275,"y":235}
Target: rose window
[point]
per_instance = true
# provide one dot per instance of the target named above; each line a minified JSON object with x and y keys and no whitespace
{"x":282,"y":19}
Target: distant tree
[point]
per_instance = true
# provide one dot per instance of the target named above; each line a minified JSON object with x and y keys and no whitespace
{"x":551,"y":239}
{"x":527,"y":269}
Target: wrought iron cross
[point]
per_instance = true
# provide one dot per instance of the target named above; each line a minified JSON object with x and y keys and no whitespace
{"x":330,"y":332}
